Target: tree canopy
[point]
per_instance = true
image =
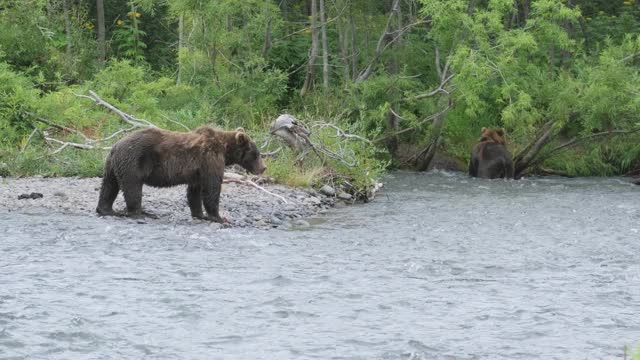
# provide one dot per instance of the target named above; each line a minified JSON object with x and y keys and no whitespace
{"x":416,"y":77}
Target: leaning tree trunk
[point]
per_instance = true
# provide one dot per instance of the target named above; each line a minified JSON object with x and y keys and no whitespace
{"x":383,"y":41}
{"x":436,"y":131}
{"x":525,"y":158}
{"x":313,"y":54}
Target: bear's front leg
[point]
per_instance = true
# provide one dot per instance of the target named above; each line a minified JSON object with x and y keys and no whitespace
{"x":211,"y":198}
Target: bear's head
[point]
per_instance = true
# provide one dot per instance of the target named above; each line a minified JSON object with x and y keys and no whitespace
{"x":244,"y":152}
{"x":491,"y":135}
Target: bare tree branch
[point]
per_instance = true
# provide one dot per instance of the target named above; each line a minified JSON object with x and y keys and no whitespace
{"x":239,"y":179}
{"x":57,"y":126}
{"x":129,"y":119}
{"x":35,"y":130}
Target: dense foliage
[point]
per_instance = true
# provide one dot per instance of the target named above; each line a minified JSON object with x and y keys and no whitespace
{"x":415,"y":77}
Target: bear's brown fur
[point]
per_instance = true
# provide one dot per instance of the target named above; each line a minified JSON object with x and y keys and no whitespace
{"x":163,"y":158}
{"x":490,"y":157}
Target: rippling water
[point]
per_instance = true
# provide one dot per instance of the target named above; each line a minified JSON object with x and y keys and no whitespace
{"x":438,"y":267}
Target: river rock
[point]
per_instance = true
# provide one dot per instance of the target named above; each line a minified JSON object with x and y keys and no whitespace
{"x":245,"y":206}
{"x":344,"y":196}
{"x":328,"y":190}
{"x":312,"y":201}
{"x":33,"y":195}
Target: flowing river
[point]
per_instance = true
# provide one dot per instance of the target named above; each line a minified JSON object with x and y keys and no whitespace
{"x":439,"y":266}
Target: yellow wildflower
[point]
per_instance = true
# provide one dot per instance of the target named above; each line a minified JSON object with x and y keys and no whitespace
{"x":137,"y":14}
{"x":588,"y":18}
{"x":119,"y":22}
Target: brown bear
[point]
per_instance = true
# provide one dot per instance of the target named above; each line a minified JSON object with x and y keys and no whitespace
{"x":163,"y":158}
{"x":490,"y":157}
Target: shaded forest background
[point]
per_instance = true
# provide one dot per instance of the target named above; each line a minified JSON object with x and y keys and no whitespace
{"x":417,"y":78}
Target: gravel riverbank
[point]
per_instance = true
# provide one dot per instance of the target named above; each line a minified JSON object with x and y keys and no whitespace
{"x":242,"y":204}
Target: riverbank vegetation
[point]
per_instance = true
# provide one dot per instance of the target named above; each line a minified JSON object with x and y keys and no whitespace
{"x":417,"y":79}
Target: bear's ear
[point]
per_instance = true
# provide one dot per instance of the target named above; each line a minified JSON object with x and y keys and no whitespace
{"x":484,"y":129}
{"x":500,"y":132}
{"x":240,"y":130}
{"x":241,"y":138}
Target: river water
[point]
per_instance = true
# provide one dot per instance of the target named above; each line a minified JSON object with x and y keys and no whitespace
{"x":439,"y":266}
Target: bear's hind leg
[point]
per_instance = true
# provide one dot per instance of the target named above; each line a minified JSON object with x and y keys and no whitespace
{"x":194,"y":198}
{"x":108,"y":192}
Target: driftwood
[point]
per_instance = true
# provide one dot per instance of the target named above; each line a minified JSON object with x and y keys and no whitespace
{"x":244,"y":180}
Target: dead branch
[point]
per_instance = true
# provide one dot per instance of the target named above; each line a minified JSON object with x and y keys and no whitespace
{"x":240,"y":179}
{"x":176,"y":122}
{"x":89,"y":144}
{"x":339,"y":132}
{"x":57,"y":126}
{"x":35,"y":130}
{"x":270,"y":153}
{"x":129,"y":119}
{"x":65,"y":144}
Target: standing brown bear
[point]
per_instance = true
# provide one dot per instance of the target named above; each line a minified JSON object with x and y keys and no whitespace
{"x":490,"y":157}
{"x":163,"y":158}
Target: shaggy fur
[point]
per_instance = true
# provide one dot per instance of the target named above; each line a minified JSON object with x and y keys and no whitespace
{"x":162,"y":158}
{"x":490,"y":157}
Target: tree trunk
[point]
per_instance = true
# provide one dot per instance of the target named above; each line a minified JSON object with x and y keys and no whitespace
{"x":101,"y":32}
{"x":342,"y":43}
{"x":354,"y":52}
{"x":525,"y":158}
{"x":67,"y":30}
{"x":313,"y":54}
{"x":436,"y":130}
{"x":382,"y":43}
{"x":392,"y":119}
{"x":180,"y":46}
{"x":267,"y":40}
{"x":325,"y":48}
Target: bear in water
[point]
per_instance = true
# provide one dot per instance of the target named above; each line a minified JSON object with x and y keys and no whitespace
{"x":163,"y":158}
{"x":490,"y":157}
